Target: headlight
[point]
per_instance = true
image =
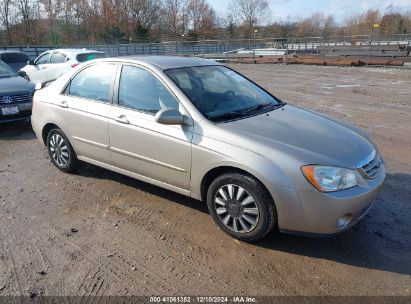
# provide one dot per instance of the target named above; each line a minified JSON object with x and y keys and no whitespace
{"x":328,"y":179}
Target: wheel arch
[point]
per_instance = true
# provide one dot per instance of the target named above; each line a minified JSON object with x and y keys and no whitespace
{"x":45,"y":131}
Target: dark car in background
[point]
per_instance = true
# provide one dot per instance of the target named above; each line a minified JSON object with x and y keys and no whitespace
{"x":16,"y":95}
{"x":15,"y":59}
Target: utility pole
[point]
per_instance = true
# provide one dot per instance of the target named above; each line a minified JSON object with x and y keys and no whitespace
{"x":374,"y":26}
{"x":255,"y":44}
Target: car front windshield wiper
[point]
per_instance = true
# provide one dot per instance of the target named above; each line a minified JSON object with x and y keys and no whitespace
{"x":246,"y":112}
{"x":227,"y":115}
{"x":263,"y":106}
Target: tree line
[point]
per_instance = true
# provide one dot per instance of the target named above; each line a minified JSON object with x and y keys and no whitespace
{"x":65,"y":22}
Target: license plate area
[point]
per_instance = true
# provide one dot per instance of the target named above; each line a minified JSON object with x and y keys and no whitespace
{"x":10,"y":110}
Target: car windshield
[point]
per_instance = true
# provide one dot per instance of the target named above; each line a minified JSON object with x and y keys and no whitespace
{"x":221,"y":94}
{"x":6,"y":71}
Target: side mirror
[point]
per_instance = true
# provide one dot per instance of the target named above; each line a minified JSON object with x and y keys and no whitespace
{"x":31,"y":62}
{"x":169,"y":117}
{"x":22,"y":74}
{"x":40,"y":85}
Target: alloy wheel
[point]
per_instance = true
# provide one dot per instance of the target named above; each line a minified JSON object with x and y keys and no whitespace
{"x":59,"y":150}
{"x":236,"y":208}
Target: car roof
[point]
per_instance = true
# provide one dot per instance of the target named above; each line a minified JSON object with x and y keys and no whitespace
{"x":75,"y":51}
{"x":168,"y":62}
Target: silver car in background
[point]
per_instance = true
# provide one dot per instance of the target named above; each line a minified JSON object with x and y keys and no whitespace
{"x":201,"y":129}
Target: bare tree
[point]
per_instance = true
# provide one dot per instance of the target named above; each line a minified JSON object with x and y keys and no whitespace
{"x":249,"y":12}
{"x":393,"y":23}
{"x":175,"y":17}
{"x":329,"y":26}
{"x":201,"y":15}
{"x":26,"y":10}
{"x":94,"y":21}
{"x":51,"y":9}
{"x":5,"y":12}
{"x":143,"y":14}
{"x":317,"y":25}
{"x":362,"y":23}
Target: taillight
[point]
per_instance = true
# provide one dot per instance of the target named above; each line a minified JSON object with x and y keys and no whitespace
{"x":73,"y":65}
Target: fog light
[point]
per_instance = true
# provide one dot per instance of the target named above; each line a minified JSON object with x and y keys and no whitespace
{"x":344,"y":221}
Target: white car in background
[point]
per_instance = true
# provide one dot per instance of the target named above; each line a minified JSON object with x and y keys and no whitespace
{"x":52,"y":64}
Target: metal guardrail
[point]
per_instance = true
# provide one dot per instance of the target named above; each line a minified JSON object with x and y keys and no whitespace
{"x":142,"y":49}
{"x":308,"y":45}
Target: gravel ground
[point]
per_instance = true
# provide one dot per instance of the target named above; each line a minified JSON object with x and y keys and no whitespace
{"x":100,"y":233}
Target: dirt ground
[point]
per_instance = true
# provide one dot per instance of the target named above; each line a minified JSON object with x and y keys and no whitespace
{"x":100,"y":233}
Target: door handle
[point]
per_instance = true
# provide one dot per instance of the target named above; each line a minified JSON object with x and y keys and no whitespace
{"x":122,"y":119}
{"x":63,"y":104}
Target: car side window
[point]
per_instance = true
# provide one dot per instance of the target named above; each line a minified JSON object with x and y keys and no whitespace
{"x":93,"y":82}
{"x":43,"y":59}
{"x":57,"y":58}
{"x":140,"y":90}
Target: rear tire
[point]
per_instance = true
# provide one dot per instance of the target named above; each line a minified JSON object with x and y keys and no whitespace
{"x":241,"y":206}
{"x":61,"y":151}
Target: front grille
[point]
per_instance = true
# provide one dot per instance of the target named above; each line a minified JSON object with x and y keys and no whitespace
{"x":22,"y":98}
{"x":371,"y":165}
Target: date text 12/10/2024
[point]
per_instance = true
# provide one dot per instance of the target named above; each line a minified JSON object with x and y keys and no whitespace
{"x":202,"y":299}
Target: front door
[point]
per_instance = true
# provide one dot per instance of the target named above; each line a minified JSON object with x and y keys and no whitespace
{"x":138,"y":143}
{"x":38,"y":71}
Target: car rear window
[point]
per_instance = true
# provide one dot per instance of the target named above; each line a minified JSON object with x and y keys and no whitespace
{"x":14,"y":57}
{"x":89,"y":56}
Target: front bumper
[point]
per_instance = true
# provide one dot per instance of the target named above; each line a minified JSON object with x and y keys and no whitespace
{"x":24,"y":112}
{"x":314,"y":212}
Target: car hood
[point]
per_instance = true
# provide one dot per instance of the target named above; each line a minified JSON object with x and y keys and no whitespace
{"x":306,"y":136}
{"x":15,"y":85}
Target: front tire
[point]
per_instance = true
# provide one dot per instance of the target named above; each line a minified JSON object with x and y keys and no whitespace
{"x":60,"y":151}
{"x":241,"y":206}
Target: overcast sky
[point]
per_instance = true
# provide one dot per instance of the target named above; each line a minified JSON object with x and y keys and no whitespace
{"x":283,"y":9}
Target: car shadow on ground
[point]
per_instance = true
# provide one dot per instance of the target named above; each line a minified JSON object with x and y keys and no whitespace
{"x":88,"y":170}
{"x":20,"y":130}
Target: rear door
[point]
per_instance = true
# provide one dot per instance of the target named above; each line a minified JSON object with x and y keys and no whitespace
{"x":138,"y":143}
{"x":84,"y":108}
